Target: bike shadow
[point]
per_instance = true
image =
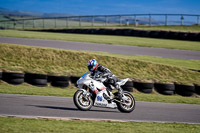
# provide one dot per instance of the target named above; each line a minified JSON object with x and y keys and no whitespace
{"x":72,"y":109}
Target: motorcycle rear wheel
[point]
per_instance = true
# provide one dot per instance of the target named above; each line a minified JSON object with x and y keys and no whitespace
{"x":127,"y":107}
{"x":82,"y":102}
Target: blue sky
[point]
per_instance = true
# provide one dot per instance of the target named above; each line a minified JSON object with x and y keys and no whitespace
{"x":100,"y":7}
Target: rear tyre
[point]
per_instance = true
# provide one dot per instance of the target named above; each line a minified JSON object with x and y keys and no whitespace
{"x":127,"y":107}
{"x":82,"y":102}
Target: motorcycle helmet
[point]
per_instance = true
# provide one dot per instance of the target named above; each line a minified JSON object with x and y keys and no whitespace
{"x":92,"y":65}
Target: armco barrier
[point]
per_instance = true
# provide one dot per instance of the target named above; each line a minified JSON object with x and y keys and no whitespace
{"x":131,"y":32}
{"x":41,"y":80}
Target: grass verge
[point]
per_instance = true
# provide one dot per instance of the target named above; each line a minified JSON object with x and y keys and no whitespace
{"x":68,"y":62}
{"x":19,"y":125}
{"x":27,"y":89}
{"x":189,"y":64}
{"x":182,"y":28}
{"x":106,"y":39}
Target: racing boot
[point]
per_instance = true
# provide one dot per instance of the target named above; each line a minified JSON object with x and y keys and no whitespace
{"x":120,"y":92}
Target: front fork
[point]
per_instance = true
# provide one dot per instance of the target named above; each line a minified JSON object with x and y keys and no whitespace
{"x":86,"y":93}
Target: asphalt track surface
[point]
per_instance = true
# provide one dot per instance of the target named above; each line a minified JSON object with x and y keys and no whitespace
{"x":51,"y":106}
{"x":116,"y":49}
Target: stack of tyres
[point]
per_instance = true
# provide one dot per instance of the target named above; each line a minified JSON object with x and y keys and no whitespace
{"x":197,"y":89}
{"x":184,"y":90}
{"x":163,"y":34}
{"x":154,"y":34}
{"x":145,"y":33}
{"x":13,"y":78}
{"x":144,"y":87}
{"x":36,"y":79}
{"x":192,"y":36}
{"x":173,"y":35}
{"x":74,"y":79}
{"x":128,"y":86}
{"x":165,"y":89}
{"x":127,"y":32}
{"x":60,"y":81}
{"x":0,"y":75}
{"x":182,"y":35}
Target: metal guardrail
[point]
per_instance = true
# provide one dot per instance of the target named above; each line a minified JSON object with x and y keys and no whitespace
{"x":102,"y":20}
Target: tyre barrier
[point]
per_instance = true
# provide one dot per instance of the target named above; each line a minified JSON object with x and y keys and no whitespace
{"x":197,"y":89}
{"x":154,"y":34}
{"x":145,"y":33}
{"x":184,"y":90}
{"x":0,"y":75}
{"x":13,"y":78}
{"x":128,"y":86}
{"x":60,"y":81}
{"x":144,"y":87}
{"x":132,"y":32}
{"x":192,"y":37}
{"x":74,"y":79}
{"x":36,"y":79}
{"x":41,"y":80}
{"x":165,"y":89}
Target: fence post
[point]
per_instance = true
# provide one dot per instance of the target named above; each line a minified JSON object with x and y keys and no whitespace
{"x":55,"y":22}
{"x":79,"y":21}
{"x":92,"y":20}
{"x":43,"y":23}
{"x":106,"y":20}
{"x":135,"y":20}
{"x":120,"y":20}
{"x":166,"y":19}
{"x":149,"y":19}
{"x":33,"y":23}
{"x":23,"y":24}
{"x":182,"y":18}
{"x":14,"y":24}
{"x":67,"y":22}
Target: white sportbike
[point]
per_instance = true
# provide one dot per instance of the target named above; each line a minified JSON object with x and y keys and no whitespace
{"x":85,"y":98}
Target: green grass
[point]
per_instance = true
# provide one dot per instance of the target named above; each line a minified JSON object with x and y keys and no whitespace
{"x":121,"y":40}
{"x":182,"y":28}
{"x":66,"y":62}
{"x":20,"y":125}
{"x":189,"y":64}
{"x":27,"y":89}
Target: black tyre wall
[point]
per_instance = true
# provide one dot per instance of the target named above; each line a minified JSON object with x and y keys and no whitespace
{"x":35,"y":76}
{"x":36,"y":79}
{"x":128,"y":86}
{"x":0,"y":75}
{"x":60,"y":81}
{"x":74,"y":79}
{"x":144,"y":87}
{"x":197,"y":89}
{"x":184,"y":90}
{"x":165,"y":89}
{"x":13,"y":78}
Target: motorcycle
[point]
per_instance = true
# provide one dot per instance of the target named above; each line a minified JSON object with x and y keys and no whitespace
{"x":84,"y":98}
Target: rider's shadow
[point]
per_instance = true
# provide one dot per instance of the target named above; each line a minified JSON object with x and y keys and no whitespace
{"x":72,"y":109}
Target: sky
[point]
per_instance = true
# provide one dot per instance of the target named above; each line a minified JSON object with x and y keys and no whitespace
{"x":104,"y":7}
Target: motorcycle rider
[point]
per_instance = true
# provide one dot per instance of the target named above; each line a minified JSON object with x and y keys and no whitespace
{"x":98,"y":71}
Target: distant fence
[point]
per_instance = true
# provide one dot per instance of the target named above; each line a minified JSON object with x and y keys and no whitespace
{"x":101,"y":20}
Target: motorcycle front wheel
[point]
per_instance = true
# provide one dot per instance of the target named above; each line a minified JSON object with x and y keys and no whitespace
{"x":82,"y":101}
{"x":127,"y":106}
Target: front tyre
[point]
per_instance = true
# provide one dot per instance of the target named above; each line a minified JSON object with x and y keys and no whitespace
{"x":82,"y":101}
{"x":129,"y":105}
